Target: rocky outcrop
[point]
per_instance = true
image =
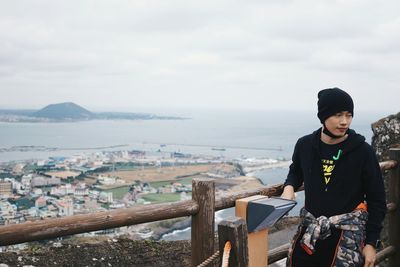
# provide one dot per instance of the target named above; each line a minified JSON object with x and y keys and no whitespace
{"x":386,"y":135}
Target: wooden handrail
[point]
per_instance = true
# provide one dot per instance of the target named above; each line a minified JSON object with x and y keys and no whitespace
{"x":228,"y":200}
{"x":385,"y":253}
{"x":388,"y":165}
{"x":75,"y":224}
{"x":391,"y":207}
{"x":278,"y":253}
{"x":393,"y":218}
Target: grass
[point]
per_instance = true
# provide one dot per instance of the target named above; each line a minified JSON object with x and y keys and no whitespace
{"x":162,"y":198}
{"x":118,"y":192}
{"x":184,"y":181}
{"x":158,"y":184}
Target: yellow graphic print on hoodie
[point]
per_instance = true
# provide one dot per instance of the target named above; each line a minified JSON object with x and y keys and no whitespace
{"x":327,"y":166}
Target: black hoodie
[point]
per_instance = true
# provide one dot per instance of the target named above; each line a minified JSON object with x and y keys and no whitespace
{"x":356,"y":178}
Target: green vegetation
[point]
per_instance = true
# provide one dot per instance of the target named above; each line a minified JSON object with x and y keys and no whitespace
{"x":30,"y":168}
{"x":8,"y":175}
{"x":185,"y":181}
{"x":162,"y":198}
{"x":106,"y":205}
{"x":160,"y":183}
{"x":128,"y":166}
{"x":69,"y":180}
{"x":81,"y":177}
{"x":24,"y":203}
{"x":118,"y":192}
{"x":100,"y":170}
{"x":64,"y":111}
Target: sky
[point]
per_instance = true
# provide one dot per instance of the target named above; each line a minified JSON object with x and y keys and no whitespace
{"x":156,"y":54}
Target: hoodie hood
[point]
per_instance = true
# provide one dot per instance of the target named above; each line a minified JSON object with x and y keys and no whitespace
{"x":353,"y":141}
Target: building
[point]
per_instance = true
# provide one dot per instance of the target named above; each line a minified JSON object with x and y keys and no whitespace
{"x":40,"y":181}
{"x":106,"y":180}
{"x":5,"y":189}
{"x":106,"y":197}
{"x":26,"y":182}
{"x":8,"y":213}
{"x":90,"y":204}
{"x":65,"y":207}
{"x":80,"y":192}
{"x":40,"y":202}
{"x":62,"y":190}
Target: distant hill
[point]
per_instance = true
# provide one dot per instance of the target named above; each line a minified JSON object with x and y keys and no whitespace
{"x":69,"y":112}
{"x":64,"y":111}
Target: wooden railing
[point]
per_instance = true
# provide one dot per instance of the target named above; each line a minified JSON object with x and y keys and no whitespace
{"x":201,"y":208}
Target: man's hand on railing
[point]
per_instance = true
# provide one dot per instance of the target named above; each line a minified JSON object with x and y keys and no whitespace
{"x":288,"y":192}
{"x":369,"y":253}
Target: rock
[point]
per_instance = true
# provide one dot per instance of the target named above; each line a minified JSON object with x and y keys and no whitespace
{"x":122,"y":252}
{"x":386,"y":135}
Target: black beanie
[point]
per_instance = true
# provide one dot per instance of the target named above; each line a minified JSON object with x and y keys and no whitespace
{"x":332,"y":101}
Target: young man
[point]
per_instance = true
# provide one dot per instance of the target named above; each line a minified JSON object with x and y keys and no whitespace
{"x":344,"y":194}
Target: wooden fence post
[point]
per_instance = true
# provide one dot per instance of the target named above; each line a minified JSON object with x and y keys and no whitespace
{"x":394,"y":217}
{"x":234,"y":230}
{"x":203,"y":192}
{"x":257,"y":241}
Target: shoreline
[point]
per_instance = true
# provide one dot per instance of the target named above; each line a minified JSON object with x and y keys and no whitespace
{"x":251,"y":170}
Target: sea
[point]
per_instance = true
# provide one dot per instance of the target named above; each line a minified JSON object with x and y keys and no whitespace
{"x":243,"y":135}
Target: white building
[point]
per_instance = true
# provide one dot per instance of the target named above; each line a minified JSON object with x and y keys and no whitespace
{"x":117,"y":206}
{"x":17,"y":186}
{"x":26,"y":181}
{"x":5,"y":189}
{"x":63,"y":190}
{"x":106,"y":180}
{"x":94,"y":194}
{"x":106,"y":197}
{"x":37,"y":192}
{"x":80,"y":192}
{"x":39,"y":181}
{"x":65,"y":207}
{"x":8,"y":212}
{"x":46,"y":214}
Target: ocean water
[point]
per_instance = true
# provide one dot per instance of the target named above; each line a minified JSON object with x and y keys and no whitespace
{"x":243,"y":135}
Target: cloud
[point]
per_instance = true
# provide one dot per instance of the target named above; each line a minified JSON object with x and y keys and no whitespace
{"x":207,"y":54}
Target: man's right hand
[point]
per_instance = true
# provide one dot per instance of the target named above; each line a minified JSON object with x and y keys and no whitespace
{"x":288,"y":192}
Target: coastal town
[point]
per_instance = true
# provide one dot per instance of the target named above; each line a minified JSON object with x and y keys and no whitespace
{"x":99,"y":181}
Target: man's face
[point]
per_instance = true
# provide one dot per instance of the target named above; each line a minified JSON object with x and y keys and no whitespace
{"x":339,"y":123}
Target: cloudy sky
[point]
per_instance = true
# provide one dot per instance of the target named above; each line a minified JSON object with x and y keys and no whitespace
{"x":250,"y":55}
